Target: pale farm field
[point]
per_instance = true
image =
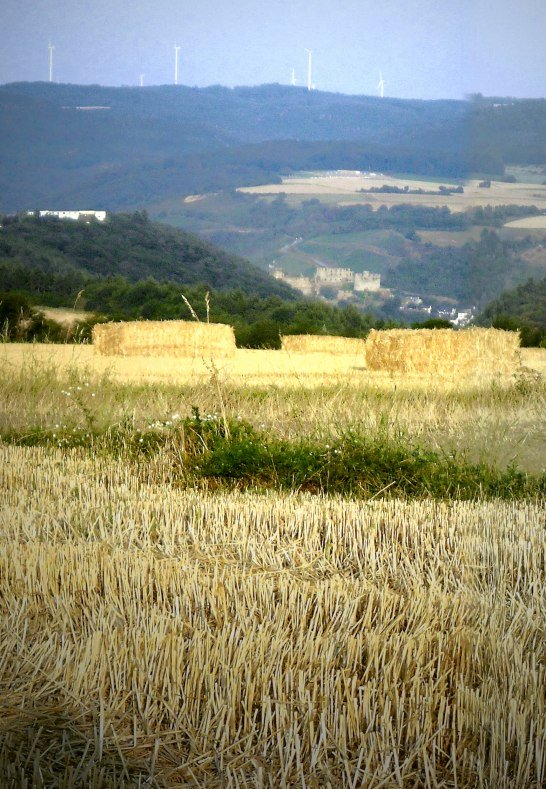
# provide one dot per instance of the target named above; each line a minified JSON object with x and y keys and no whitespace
{"x":528,"y":223}
{"x":245,"y":367}
{"x":64,"y":315}
{"x":252,"y":367}
{"x":534,"y":359}
{"x":345,"y":190}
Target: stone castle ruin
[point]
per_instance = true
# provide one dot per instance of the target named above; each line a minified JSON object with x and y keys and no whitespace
{"x":324,"y":276}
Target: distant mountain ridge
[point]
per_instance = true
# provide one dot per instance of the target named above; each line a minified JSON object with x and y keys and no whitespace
{"x":170,"y":140}
{"x":174,"y":140}
{"x":266,"y":112}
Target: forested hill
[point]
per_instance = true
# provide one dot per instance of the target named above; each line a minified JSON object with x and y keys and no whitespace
{"x":513,"y":130}
{"x":524,"y":305}
{"x":125,"y":245}
{"x":255,"y":114}
{"x":122,"y":148}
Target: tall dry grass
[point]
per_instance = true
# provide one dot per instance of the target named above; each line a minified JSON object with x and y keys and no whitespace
{"x":157,"y":634}
{"x":501,"y":424}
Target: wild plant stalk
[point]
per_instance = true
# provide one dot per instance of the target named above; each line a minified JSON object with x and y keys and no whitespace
{"x":78,"y":297}
{"x":189,"y":306}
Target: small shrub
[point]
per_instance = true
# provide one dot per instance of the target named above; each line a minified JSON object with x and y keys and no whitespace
{"x":210,"y":448}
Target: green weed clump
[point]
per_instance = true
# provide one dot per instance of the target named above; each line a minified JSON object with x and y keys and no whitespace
{"x":355,"y":465}
{"x":230,"y":452}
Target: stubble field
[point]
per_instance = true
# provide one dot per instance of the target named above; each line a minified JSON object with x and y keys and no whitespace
{"x":346,"y":190}
{"x":194,"y":635}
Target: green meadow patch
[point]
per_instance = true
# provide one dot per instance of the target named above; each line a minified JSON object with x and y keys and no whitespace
{"x":231,"y":452}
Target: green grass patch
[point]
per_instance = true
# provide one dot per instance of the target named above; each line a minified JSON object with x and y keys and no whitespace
{"x":232,"y":453}
{"x":450,"y":238}
{"x":368,"y":251}
{"x":386,"y":239}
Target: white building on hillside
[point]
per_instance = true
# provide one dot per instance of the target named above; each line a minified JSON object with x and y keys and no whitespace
{"x":82,"y":216}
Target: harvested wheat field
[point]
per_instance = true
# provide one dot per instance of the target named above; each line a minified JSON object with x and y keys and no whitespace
{"x":65,"y":316}
{"x":529,"y":223}
{"x":246,"y":367}
{"x":347,"y":190}
{"x":181,"y":638}
{"x":316,"y":343}
{"x":534,"y":359}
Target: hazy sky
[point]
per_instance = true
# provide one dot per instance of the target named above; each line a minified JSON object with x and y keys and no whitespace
{"x":424,"y":48}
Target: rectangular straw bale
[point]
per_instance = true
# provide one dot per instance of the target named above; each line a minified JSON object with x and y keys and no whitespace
{"x":318,"y":343}
{"x":468,"y":352}
{"x":164,"y":338}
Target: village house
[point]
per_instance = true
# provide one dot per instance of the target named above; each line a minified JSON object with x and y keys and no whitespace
{"x":82,"y":216}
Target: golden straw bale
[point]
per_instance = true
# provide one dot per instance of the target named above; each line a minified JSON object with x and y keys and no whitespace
{"x":468,"y":352}
{"x":318,"y":343}
{"x":164,"y":338}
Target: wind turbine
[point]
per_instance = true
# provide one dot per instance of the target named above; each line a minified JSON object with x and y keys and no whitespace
{"x":51,"y":47}
{"x":309,"y":64}
{"x":142,"y":80}
{"x":294,"y":80}
{"x":381,"y":85}
{"x":176,"y":51}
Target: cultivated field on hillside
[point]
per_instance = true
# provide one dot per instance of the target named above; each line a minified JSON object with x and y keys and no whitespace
{"x":345,"y":190}
{"x":64,"y":315}
{"x":179,"y":634}
{"x":528,"y":223}
{"x":450,"y":238}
